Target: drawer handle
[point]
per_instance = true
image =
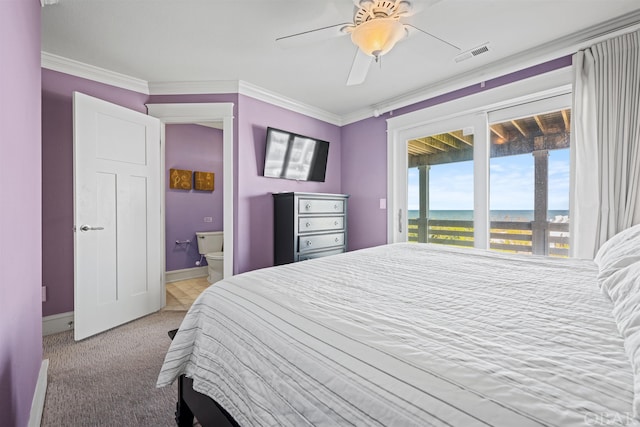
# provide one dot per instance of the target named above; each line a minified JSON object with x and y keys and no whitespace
{"x":337,"y":240}
{"x":308,"y":225}
{"x":335,"y":223}
{"x":308,"y":242}
{"x":335,"y":206}
{"x":307,"y":206}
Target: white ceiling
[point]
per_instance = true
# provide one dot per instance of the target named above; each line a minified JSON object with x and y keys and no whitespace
{"x":212,"y":40}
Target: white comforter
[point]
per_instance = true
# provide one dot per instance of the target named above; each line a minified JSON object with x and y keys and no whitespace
{"x":409,"y":335}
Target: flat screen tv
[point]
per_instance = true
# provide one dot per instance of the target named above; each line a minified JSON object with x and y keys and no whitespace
{"x":292,"y":156}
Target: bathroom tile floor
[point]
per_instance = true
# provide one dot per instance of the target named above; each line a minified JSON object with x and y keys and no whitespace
{"x":180,"y":295}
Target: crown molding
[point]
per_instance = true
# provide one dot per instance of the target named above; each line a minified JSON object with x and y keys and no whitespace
{"x":193,"y":87}
{"x":545,"y":52}
{"x":548,"y":51}
{"x":243,"y":88}
{"x":90,"y":72}
{"x":79,"y":69}
{"x":272,"y":98}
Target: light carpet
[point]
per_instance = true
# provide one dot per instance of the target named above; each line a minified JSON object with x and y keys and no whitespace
{"x":109,"y":379}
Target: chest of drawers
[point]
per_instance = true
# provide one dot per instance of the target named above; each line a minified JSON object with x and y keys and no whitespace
{"x":308,"y":225}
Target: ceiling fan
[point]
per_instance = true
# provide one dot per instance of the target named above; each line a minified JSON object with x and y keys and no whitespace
{"x":376,"y":28}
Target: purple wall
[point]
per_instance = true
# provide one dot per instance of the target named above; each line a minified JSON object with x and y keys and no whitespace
{"x":57,"y":178}
{"x":356,"y":166}
{"x":20,"y":212}
{"x":194,"y":148}
{"x":254,"y":213}
{"x":253,"y":206}
{"x":364,"y":158}
{"x":364,"y":177}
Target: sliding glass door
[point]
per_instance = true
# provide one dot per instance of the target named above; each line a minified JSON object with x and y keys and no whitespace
{"x":497,"y":178}
{"x":440,"y":188}
{"x":436,"y":195}
{"x":529,"y":178}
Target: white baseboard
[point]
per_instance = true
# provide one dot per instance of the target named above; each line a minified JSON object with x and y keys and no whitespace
{"x":186,"y":273}
{"x":57,"y":323}
{"x":64,"y":321}
{"x":37,"y":404}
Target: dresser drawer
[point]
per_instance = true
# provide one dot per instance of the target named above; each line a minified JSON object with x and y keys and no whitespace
{"x":321,"y":223}
{"x":320,"y":254}
{"x":308,"y":225}
{"x":320,"y":241}
{"x":313,"y":206}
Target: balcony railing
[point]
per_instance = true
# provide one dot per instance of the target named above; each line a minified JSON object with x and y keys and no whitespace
{"x":506,"y":236}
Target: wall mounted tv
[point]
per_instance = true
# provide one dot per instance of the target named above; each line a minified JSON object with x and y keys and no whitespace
{"x":292,"y":156}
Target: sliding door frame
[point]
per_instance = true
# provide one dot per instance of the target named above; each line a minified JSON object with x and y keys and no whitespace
{"x":471,"y":111}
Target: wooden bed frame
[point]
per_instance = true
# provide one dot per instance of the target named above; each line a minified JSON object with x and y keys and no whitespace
{"x":195,"y":404}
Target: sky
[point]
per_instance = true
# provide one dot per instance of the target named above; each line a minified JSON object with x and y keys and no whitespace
{"x":511,"y":184}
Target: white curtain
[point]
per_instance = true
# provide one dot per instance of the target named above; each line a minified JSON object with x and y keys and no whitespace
{"x":605,"y":153}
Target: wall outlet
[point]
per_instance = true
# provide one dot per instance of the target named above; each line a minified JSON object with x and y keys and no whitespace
{"x":383,"y":203}
{"x":44,"y":294}
{"x":208,"y":219}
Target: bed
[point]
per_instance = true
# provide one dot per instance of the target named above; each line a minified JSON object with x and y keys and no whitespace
{"x":416,"y":335}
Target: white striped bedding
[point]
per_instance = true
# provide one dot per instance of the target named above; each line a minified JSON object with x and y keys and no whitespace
{"x":409,"y":335}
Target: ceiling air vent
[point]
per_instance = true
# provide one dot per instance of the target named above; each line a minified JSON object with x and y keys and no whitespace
{"x":472,"y":52}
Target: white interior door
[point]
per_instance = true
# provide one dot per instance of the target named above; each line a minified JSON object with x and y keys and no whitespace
{"x":117,"y":215}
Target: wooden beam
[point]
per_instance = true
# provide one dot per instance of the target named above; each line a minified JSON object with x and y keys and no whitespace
{"x":440,"y":158}
{"x":426,"y":142}
{"x":457,"y":134}
{"x":565,"y":118}
{"x":539,"y":232}
{"x":449,"y":140}
{"x":432,"y":142}
{"x":411,"y":148}
{"x":520,"y":129}
{"x":498,"y":130}
{"x":417,"y":146}
{"x":413,"y":151}
{"x":552,"y":141}
{"x":423,"y":185}
{"x":541,"y":125}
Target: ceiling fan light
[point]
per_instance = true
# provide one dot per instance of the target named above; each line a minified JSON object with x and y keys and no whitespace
{"x":378,"y":36}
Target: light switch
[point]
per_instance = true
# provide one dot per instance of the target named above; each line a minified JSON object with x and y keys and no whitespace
{"x":383,"y":203}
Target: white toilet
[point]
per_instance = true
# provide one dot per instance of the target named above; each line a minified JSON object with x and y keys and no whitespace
{"x":210,"y":245}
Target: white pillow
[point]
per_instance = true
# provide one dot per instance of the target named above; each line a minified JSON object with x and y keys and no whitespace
{"x":618,"y":252}
{"x":623,"y":287}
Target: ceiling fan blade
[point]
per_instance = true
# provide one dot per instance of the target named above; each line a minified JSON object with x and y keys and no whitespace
{"x":413,"y":29}
{"x":312,"y":36}
{"x":359,"y":69}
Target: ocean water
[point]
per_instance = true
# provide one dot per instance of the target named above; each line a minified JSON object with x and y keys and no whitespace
{"x":497,"y":215}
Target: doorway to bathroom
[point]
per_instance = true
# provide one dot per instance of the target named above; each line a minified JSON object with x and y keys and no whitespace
{"x":193,"y":150}
{"x":192,"y":205}
{"x":196,"y":138}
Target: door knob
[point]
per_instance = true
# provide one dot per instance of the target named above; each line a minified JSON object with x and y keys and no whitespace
{"x":86,"y":227}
